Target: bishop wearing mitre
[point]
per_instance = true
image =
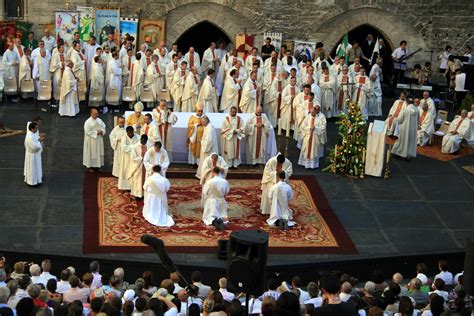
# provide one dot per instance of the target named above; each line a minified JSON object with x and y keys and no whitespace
{"x":232,"y":132}
{"x":195,"y":131}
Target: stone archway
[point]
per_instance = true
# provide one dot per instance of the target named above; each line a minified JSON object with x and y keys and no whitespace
{"x":184,"y":17}
{"x":387,"y":23}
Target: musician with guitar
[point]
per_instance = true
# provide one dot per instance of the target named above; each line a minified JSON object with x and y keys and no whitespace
{"x":399,"y":57}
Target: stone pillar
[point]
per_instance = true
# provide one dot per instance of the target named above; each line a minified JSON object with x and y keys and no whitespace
{"x":2,"y":10}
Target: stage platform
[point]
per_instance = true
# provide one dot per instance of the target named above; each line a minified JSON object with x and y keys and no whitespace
{"x":424,"y":208}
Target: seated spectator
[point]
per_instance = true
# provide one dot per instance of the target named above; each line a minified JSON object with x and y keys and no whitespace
{"x":346,"y":290}
{"x":128,"y":308}
{"x":12,"y":286}
{"x":189,"y":299}
{"x":35,"y":272}
{"x":34,"y":292}
{"x":87,"y":279}
{"x":46,"y":267}
{"x":390,"y":301}
{"x":168,"y":285}
{"x":193,"y":310}
{"x":3,"y":277}
{"x":296,"y":283}
{"x":140,"y":305}
{"x":313,"y":291}
{"x":25,"y":307}
{"x":119,"y":273}
{"x":287,"y":304}
{"x":421,"y":298}
{"x":4,"y":295}
{"x":378,"y":278}
{"x":115,"y":286}
{"x":405,"y":307}
{"x":330,"y":287}
{"x":436,"y":306}
{"x":272,"y":286}
{"x":398,"y":279}
{"x":438,"y":288}
{"x":21,"y":291}
{"x":444,"y":274}
{"x":139,"y":288}
{"x":96,"y":306}
{"x":150,"y":287}
{"x":196,"y":279}
{"x":51,"y":286}
{"x":268,"y":305}
{"x":128,"y":296}
{"x":75,"y":293}
{"x":375,"y":311}
{"x":228,"y":296}
{"x":175,"y":278}
{"x":18,"y":270}
{"x":63,"y":285}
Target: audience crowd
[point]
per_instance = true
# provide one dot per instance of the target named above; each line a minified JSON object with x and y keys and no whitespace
{"x":28,"y":289}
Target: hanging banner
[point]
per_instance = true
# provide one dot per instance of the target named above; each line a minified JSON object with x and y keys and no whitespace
{"x":305,"y":48}
{"x":66,"y":24}
{"x":86,"y":23}
{"x":244,"y":44}
{"x":7,"y":32}
{"x":276,"y":39}
{"x":152,"y":32}
{"x":107,"y":21}
{"x":22,"y":30}
{"x":130,"y":27}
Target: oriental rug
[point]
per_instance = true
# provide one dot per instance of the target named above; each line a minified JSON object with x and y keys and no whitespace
{"x":434,"y":151}
{"x":5,"y":132}
{"x":113,"y":220}
{"x":469,"y":169}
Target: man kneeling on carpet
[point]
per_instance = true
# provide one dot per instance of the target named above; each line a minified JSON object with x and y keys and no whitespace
{"x":215,"y":206}
{"x":155,"y":208}
{"x":280,"y":195}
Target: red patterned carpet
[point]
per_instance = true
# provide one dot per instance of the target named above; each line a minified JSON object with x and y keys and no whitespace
{"x":113,"y":222}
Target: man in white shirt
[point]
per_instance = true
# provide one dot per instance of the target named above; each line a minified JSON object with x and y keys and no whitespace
{"x":46,"y":267}
{"x":36,"y":278}
{"x":228,"y":296}
{"x":49,"y":41}
{"x":297,"y":284}
{"x":94,"y":268}
{"x":444,"y":274}
{"x":63,"y":284}
{"x":196,"y":279}
{"x":399,"y":56}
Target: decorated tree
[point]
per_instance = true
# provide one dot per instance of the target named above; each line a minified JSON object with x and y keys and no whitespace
{"x":348,"y":155}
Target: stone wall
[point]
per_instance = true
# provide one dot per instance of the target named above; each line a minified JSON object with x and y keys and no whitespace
{"x":426,"y":24}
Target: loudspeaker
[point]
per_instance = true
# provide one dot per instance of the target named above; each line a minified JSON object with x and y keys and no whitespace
{"x":247,"y":261}
{"x":222,"y":245}
{"x":468,"y":276}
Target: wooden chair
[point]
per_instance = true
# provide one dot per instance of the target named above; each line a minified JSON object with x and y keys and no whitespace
{"x":146,"y":95}
{"x":112,"y":95}
{"x":128,"y":94}
{"x":44,"y":91}
{"x":443,"y":115}
{"x":81,"y":90}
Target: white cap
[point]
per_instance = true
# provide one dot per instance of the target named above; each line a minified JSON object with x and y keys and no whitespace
{"x":138,"y":107}
{"x":129,"y":295}
{"x":423,"y":278}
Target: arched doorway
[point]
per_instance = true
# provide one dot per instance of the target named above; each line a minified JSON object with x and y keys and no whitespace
{"x":200,"y":36}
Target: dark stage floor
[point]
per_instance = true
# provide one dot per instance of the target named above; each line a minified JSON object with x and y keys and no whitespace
{"x":426,"y":207}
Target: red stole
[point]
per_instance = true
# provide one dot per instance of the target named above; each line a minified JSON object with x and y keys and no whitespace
{"x":157,"y":69}
{"x":191,"y":60}
{"x":422,"y":117}
{"x":237,"y":149}
{"x":259,"y":137}
{"x":238,"y":98}
{"x":310,"y":106}
{"x":280,"y":87}
{"x":292,"y":89}
{"x":129,"y":63}
{"x":175,"y":66}
{"x":131,"y":75}
{"x":20,"y":51}
{"x":310,"y":145}
{"x":61,"y":58}
{"x":183,"y":73}
{"x":144,"y":149}
{"x":258,"y":93}
{"x":360,"y":82}
{"x":148,"y":61}
{"x":459,"y":124}
{"x":344,"y":80}
{"x":395,"y":115}
{"x":163,"y":129}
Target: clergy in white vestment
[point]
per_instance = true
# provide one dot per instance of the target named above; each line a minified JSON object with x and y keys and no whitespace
{"x":209,"y":143}
{"x":273,"y":60}
{"x":300,"y":108}
{"x":191,"y":90}
{"x":127,"y":62}
{"x":232,"y":91}
{"x":136,"y":170}
{"x":208,"y":94}
{"x":193,"y":59}
{"x":344,"y":85}
{"x":126,"y":143}
{"x":115,"y":137}
{"x":328,"y":87}
{"x":257,"y":131}
{"x":209,"y":59}
{"x":25,"y":71}
{"x":280,"y":195}
{"x":79,"y":63}
{"x":154,"y":78}
{"x":214,"y":192}
{"x":361,"y":91}
{"x":113,"y":76}
{"x":94,"y":131}
{"x":32,"y":170}
{"x":97,"y":77}
{"x":194,"y":135}
{"x":397,"y":107}
{"x":232,"y":133}
{"x":155,"y":206}
{"x":170,"y":69}
{"x":146,"y":59}
{"x":90,"y":50}
{"x":431,"y":105}
{"x":470,"y":115}
{"x":314,"y":139}
{"x":56,"y":67}
{"x":177,"y":87}
{"x":18,"y":48}
{"x":136,"y":77}
{"x":407,"y":121}
{"x":41,"y":68}
{"x":288,"y":108}
{"x":268,"y":78}
{"x":10,"y":63}
{"x":374,"y":103}
{"x":273,"y":166}
{"x":211,"y":162}
{"x":69,"y":101}
{"x":425,"y":124}
{"x":147,"y":128}
{"x":459,"y":129}
{"x":253,"y":58}
{"x":164,"y":120}
{"x":250,"y":95}
{"x":273,"y":99}
{"x":156,"y":155}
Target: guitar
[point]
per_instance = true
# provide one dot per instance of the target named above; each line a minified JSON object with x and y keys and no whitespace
{"x":405,"y":57}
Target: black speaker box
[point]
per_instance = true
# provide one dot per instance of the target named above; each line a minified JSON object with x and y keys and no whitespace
{"x":247,"y":261}
{"x":468,"y":276}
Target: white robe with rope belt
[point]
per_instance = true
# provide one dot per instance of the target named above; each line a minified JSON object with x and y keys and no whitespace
{"x":155,"y":207}
{"x":269,"y":178}
{"x":93,"y":154}
{"x":214,"y":192}
{"x":280,"y":195}
{"x":32,"y":167}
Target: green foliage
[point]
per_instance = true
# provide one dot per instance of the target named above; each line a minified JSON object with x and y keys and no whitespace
{"x":347,"y":156}
{"x":466,"y":103}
